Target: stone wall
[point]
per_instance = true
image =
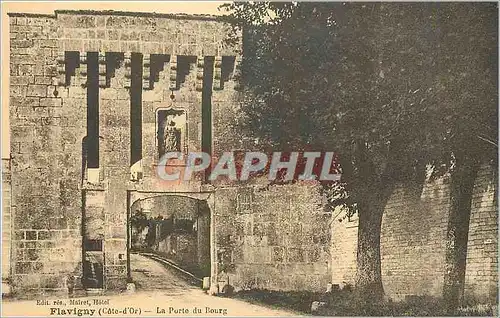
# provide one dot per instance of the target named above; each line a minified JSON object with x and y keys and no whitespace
{"x":481,"y":277}
{"x":344,"y":248}
{"x":414,"y":226}
{"x":49,"y":101}
{"x":6,"y":225}
{"x":140,"y":32}
{"x":46,"y":201}
{"x":203,"y":243}
{"x":181,"y":248}
{"x":413,"y":241}
{"x":274,"y":238}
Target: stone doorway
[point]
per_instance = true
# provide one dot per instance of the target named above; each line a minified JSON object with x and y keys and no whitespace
{"x":170,"y":228}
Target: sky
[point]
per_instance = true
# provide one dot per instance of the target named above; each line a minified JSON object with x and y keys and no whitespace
{"x":191,"y":7}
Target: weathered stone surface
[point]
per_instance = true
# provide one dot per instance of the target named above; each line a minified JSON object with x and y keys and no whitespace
{"x":36,"y":91}
{"x":413,"y":238}
{"x":276,"y":238}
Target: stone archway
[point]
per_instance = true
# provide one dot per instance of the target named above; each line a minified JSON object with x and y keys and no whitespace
{"x":177,"y":226}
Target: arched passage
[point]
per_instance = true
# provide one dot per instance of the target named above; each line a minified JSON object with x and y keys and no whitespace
{"x":176,"y":227}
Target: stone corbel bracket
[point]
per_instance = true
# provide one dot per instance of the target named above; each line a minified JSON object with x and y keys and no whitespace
{"x":128,"y":69}
{"x":200,"y":64}
{"x":217,"y":73}
{"x":173,"y":72}
{"x":146,"y":72}
{"x":83,"y":70}
{"x":61,"y":69}
{"x":102,"y":69}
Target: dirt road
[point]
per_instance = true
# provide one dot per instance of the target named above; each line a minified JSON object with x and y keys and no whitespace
{"x":160,"y":292}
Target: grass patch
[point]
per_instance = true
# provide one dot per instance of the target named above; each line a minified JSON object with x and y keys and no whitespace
{"x":346,"y":303}
{"x":299,"y":301}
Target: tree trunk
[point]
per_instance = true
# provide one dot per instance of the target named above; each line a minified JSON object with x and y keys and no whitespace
{"x":368,"y":275}
{"x":370,"y":192}
{"x":462,"y":184}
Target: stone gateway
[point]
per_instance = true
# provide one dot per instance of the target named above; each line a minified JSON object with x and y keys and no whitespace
{"x":97,"y":97}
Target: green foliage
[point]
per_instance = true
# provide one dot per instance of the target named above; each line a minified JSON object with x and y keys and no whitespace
{"x":139,"y":220}
{"x":389,"y":86}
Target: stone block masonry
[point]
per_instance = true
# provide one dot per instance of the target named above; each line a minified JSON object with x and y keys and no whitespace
{"x":414,"y":226}
{"x":276,"y":238}
{"x":46,"y":225}
{"x":481,"y":277}
{"x":53,"y":129}
{"x":413,"y":241}
{"x":6,"y":225}
{"x":343,"y":248}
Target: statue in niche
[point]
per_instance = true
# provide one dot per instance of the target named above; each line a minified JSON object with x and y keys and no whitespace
{"x":171,"y":135}
{"x":170,"y":132}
